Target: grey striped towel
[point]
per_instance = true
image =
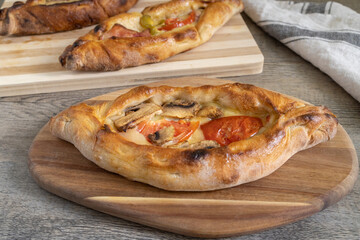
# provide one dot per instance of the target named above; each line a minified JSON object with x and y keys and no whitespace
{"x":325,"y":34}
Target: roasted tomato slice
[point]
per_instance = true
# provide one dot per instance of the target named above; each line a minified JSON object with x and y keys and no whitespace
{"x":183,"y":129}
{"x":172,"y":23}
{"x":226,"y":130}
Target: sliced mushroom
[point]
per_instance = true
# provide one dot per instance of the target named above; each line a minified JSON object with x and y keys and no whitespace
{"x":199,"y":145}
{"x":181,"y":109}
{"x":162,"y":136}
{"x":210,"y":112}
{"x":135,"y":115}
{"x":134,"y":108}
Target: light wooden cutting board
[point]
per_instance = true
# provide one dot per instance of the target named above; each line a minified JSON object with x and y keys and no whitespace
{"x":307,"y":183}
{"x":30,"y":64}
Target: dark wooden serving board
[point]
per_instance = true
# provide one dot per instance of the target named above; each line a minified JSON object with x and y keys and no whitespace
{"x":307,"y":183}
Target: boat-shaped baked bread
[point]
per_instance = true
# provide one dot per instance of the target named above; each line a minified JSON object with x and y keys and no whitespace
{"x":50,"y":16}
{"x":194,"y":138}
{"x":159,"y":32}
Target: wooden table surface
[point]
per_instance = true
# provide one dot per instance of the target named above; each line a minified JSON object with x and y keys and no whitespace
{"x":27,"y":211}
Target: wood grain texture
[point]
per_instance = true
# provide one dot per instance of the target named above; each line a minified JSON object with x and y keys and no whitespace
{"x":309,"y":182}
{"x":30,"y":64}
{"x":29,"y":212}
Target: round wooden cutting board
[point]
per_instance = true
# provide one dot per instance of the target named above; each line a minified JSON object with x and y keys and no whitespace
{"x":307,"y":183}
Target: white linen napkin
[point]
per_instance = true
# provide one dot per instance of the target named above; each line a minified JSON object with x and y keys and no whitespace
{"x":325,"y":34}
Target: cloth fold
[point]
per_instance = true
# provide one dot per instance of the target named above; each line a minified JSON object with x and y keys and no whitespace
{"x":325,"y":34}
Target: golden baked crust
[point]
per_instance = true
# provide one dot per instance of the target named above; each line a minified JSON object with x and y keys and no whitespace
{"x":296,"y":125}
{"x":92,"y":53}
{"x":49,"y":16}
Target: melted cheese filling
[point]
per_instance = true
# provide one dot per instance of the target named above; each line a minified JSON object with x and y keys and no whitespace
{"x":134,"y":136}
